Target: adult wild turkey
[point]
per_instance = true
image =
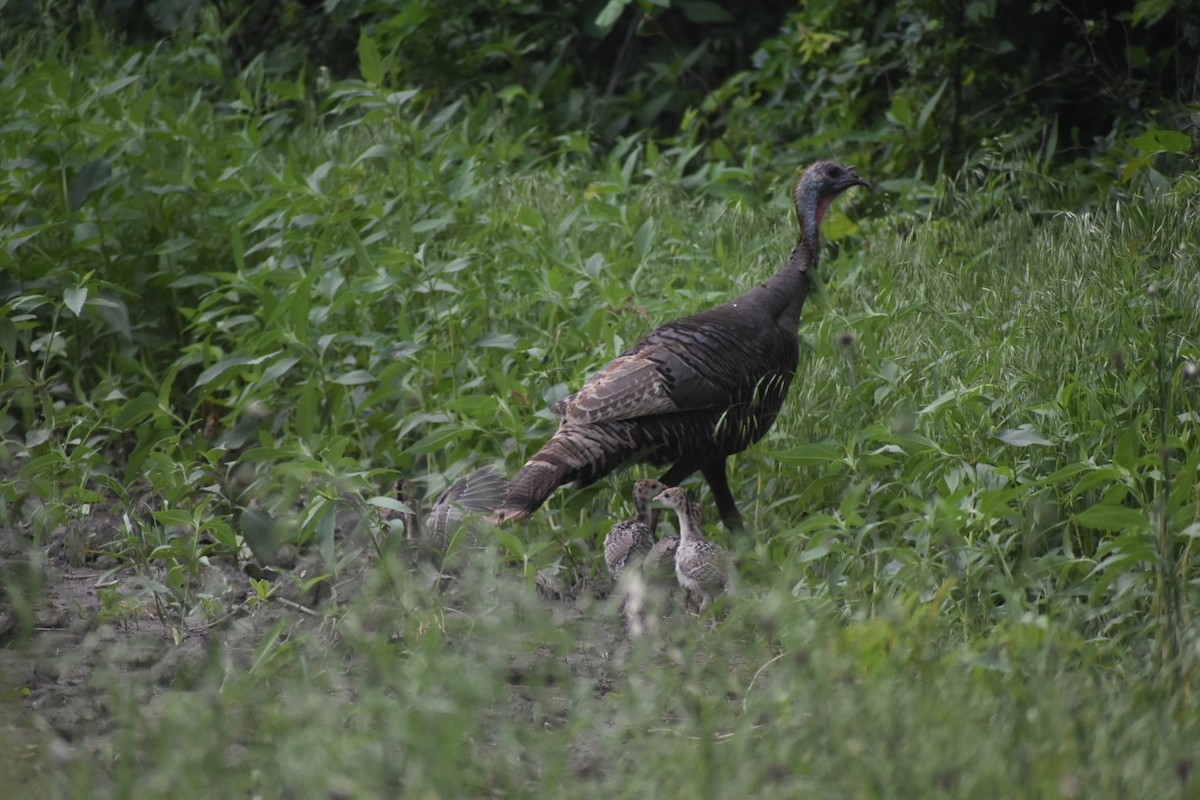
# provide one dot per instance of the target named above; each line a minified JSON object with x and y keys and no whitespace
{"x":695,"y":391}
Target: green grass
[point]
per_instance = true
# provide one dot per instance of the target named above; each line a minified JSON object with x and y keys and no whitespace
{"x":231,"y":315}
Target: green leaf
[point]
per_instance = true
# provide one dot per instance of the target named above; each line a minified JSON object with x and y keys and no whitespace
{"x":93,"y":176}
{"x":812,"y":454}
{"x":1105,"y":517}
{"x":390,"y":503}
{"x":914,"y":443}
{"x":37,"y":436}
{"x":434,"y":441}
{"x":435,"y":224}
{"x":513,"y":545}
{"x":398,"y":99}
{"x":1097,"y":477}
{"x":819,"y":550}
{"x":287,"y":90}
{"x":1135,"y":166}
{"x":218,"y":369}
{"x":225,"y":364}
{"x":356,"y":377}
{"x":945,"y":397}
{"x":259,"y":531}
{"x":1159,"y":141}
{"x":75,"y":297}
{"x":1064,"y":474}
{"x":930,"y":106}
{"x":326,"y":526}
{"x":821,"y":523}
{"x":643,"y":238}
{"x":837,"y":226}
{"x":901,"y":111}
{"x":703,"y":11}
{"x":8,"y":337}
{"x":529,"y":218}
{"x":1023,"y":436}
{"x":503,"y":341}
{"x":997,"y":503}
{"x":370,"y":63}
{"x":381,"y":151}
{"x":115,"y":314}
{"x":1150,"y":12}
{"x":222,"y":532}
{"x":611,"y":12}
{"x":479,"y":407}
{"x":17,"y":236}
{"x":278,"y":369}
{"x":173,"y":517}
{"x":306,"y":408}
{"x":115,"y":86}
{"x":1125,"y":456}
{"x":135,"y":411}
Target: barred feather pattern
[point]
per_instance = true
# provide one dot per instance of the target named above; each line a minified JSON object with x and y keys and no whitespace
{"x":694,"y":391}
{"x":702,"y":567}
{"x":630,"y":540}
{"x":478,"y":492}
{"x":720,"y":409}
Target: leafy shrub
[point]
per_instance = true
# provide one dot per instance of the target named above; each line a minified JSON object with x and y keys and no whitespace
{"x":914,"y":88}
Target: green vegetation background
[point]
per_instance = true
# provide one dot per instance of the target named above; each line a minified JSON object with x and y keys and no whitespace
{"x":261,"y":260}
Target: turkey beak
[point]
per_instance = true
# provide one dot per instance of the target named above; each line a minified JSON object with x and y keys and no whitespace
{"x":854,"y":179}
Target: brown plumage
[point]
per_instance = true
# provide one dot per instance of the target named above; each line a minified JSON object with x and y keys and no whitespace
{"x":478,"y":492}
{"x":629,"y":541}
{"x":695,"y":391}
{"x":702,"y":567}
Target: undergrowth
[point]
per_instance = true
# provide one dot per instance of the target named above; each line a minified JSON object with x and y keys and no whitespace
{"x":234,"y":323}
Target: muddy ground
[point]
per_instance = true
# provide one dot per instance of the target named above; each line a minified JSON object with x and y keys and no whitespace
{"x":79,"y":638}
{"x":77,"y":631}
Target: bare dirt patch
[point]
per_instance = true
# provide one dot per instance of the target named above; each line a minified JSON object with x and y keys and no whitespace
{"x":79,"y":636}
{"x":81,"y":643}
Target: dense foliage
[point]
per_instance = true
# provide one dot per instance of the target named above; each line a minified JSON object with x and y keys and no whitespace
{"x":904,"y":86}
{"x":244,"y":287}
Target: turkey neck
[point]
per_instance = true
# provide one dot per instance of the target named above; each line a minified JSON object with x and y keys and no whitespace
{"x":782,"y":296}
{"x":689,"y":528}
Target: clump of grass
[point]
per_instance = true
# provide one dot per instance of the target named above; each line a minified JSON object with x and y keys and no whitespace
{"x":485,"y":690}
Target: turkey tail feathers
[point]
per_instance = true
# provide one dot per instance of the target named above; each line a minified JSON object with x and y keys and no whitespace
{"x":480,"y":491}
{"x":528,"y":490}
{"x":574,"y":453}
